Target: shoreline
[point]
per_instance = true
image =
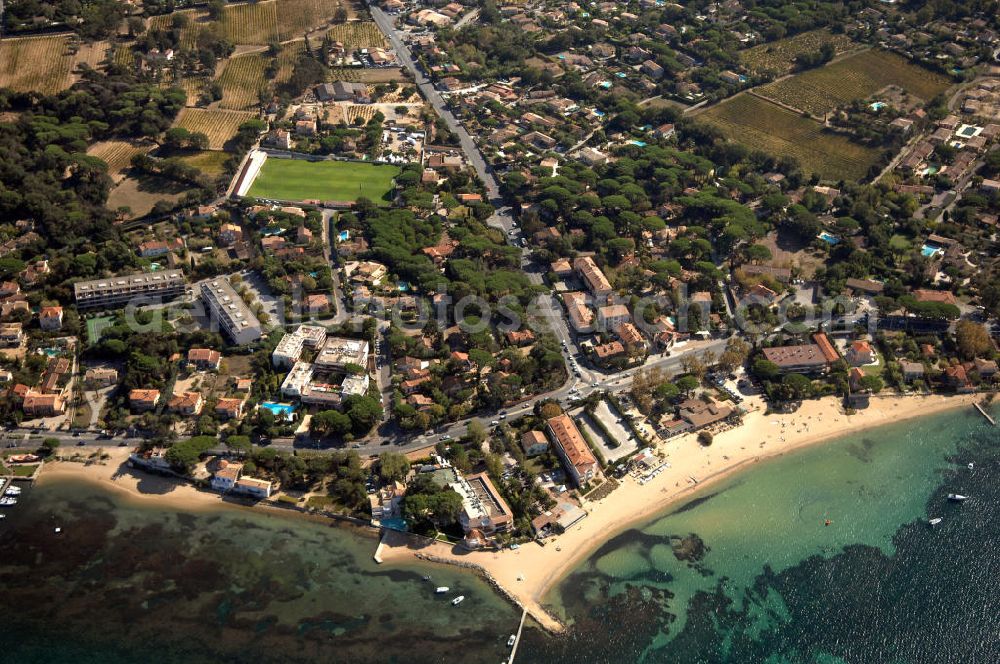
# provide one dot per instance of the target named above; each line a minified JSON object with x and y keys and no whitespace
{"x":526,"y":575}
{"x":139,"y":487}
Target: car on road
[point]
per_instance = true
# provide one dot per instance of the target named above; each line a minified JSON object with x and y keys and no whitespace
{"x":446,"y":437}
{"x":495,"y":423}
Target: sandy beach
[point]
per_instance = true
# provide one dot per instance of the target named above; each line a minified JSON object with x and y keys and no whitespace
{"x":526,"y":574}
{"x":113,"y":474}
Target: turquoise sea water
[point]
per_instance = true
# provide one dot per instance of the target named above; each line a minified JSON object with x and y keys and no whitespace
{"x":746,"y":571}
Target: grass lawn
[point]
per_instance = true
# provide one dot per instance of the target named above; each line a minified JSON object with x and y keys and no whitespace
{"x":320,"y":502}
{"x":295,"y":180}
{"x":81,"y":418}
{"x":25,"y":471}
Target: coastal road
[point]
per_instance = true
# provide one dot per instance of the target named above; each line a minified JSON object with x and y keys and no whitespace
{"x":573,"y":389}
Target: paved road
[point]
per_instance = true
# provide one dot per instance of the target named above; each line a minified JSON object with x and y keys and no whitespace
{"x":574,"y":388}
{"x":386,"y":25}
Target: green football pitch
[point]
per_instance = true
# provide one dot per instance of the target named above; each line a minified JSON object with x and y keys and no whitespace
{"x":296,"y":180}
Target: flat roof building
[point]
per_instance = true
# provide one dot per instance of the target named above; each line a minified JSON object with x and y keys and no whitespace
{"x":231,"y":313}
{"x":114,"y":292}
{"x":289,"y":349}
{"x":483,"y":507}
{"x":338,"y":352}
{"x":803,"y":357}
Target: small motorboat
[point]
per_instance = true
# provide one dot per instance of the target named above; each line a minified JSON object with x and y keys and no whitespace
{"x":441,"y":589}
{"x":935,"y":521}
{"x":6,"y":502}
{"x":458,"y":600}
{"x":971,"y":465}
{"x":957,"y":498}
{"x":511,"y":640}
{"x":58,"y":530}
{"x":13,"y":491}
{"x":3,"y":516}
{"x":427,"y":578}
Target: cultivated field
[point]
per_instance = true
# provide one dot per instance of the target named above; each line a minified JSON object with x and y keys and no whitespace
{"x":117,"y":155}
{"x":242,"y":80}
{"x":219,"y":126}
{"x":357,"y":34}
{"x":362,"y":75}
{"x":93,"y":55}
{"x":124,"y":56}
{"x":761,"y":125}
{"x":294,"y":180}
{"x":779,"y":57}
{"x":245,"y":76}
{"x":858,"y":76}
{"x":258,"y":22}
{"x":39,"y":64}
{"x":296,"y":17}
{"x":195,"y":21}
{"x":364,"y":111}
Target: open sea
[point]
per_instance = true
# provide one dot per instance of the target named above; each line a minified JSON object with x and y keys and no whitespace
{"x":746,"y":571}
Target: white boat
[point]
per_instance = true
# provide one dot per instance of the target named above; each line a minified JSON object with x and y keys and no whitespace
{"x":441,"y":589}
{"x":511,"y":640}
{"x":935,"y":521}
{"x":427,"y":578}
{"x":971,"y":465}
{"x":957,"y":498}
{"x":458,"y":600}
{"x":3,"y":516}
{"x":4,"y":502}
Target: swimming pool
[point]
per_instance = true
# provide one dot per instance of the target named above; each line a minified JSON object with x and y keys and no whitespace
{"x":394,"y":524}
{"x":344,"y":236}
{"x":285,"y":410}
{"x":877,"y":105}
{"x":641,"y":144}
{"x":828,"y":238}
{"x":968,"y":131}
{"x":929,"y":250}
